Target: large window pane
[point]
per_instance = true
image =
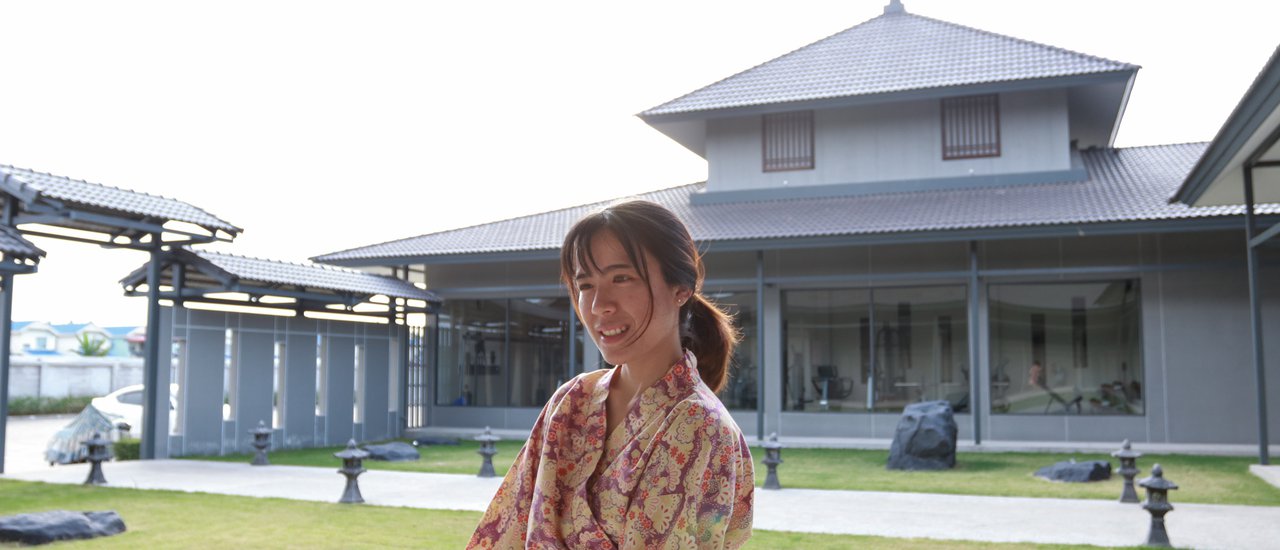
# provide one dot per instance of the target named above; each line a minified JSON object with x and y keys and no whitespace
{"x":921,"y":347}
{"x":828,"y":350}
{"x":1069,"y":348}
{"x":740,"y":393}
{"x":471,"y":353}
{"x":539,"y":349}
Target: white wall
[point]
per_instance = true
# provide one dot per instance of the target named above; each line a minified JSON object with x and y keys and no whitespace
{"x":893,"y":142}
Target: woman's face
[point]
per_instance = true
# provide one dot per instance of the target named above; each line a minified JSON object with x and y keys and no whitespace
{"x":614,"y":303}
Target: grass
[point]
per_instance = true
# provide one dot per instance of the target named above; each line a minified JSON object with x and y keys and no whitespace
{"x":24,"y":406}
{"x":170,"y":519}
{"x":1202,"y":479}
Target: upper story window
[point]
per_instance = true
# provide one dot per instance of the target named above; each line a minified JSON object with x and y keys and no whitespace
{"x":788,"y":141}
{"x":970,"y":127}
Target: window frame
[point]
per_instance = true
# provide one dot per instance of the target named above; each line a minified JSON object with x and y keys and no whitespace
{"x":781,"y":121}
{"x":971,"y":112}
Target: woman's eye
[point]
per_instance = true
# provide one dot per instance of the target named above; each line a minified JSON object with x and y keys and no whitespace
{"x":584,"y":287}
{"x":621,"y":278}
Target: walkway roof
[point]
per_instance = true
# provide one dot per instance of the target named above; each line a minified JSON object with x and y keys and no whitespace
{"x":1218,"y":178}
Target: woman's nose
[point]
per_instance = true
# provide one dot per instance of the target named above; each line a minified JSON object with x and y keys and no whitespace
{"x":602,"y":303}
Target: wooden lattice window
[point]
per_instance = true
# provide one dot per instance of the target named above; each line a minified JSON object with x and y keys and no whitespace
{"x":970,"y":127}
{"x":788,"y":141}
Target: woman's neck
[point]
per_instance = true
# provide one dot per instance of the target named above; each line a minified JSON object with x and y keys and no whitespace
{"x":634,"y":377}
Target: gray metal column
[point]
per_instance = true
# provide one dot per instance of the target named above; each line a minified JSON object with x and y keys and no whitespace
{"x":1255,"y":314}
{"x":574,"y":368}
{"x":6,"y":317}
{"x":151,"y":367}
{"x":975,"y":380}
{"x":760,"y":345}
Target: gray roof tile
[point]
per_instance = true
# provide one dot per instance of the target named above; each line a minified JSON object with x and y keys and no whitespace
{"x":12,"y":243}
{"x":1125,"y":185}
{"x":890,"y":53}
{"x":313,"y":276}
{"x":115,"y":199}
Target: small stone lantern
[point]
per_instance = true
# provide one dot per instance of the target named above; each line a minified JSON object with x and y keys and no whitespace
{"x":487,"y":450}
{"x":261,"y":442}
{"x":1158,"y":505}
{"x":1128,"y":468}
{"x":772,"y":458}
{"x":97,"y":453}
{"x":352,"y":467}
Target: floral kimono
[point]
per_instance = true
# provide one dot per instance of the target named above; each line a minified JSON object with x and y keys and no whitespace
{"x":675,"y":473}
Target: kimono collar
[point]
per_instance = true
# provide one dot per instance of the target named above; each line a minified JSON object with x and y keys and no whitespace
{"x":680,"y":380}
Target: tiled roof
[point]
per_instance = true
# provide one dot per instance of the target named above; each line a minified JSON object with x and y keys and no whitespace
{"x":12,"y":243}
{"x":1124,"y":185}
{"x":69,"y":328}
{"x":115,"y":199}
{"x":890,"y":53}
{"x":313,"y":276}
{"x":19,"y":325}
{"x":119,"y":332}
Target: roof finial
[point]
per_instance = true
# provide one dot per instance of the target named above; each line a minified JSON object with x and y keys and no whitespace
{"x":895,"y":6}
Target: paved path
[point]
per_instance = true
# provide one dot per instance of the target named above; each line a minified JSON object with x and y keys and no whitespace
{"x":26,"y":439}
{"x":995,"y":519}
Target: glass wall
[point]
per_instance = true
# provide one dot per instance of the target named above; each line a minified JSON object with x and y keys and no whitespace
{"x":740,"y":392}
{"x":1066,"y":348}
{"x":504,"y":352}
{"x":875,"y":350}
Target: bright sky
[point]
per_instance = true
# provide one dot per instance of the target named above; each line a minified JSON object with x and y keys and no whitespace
{"x":318,"y":126}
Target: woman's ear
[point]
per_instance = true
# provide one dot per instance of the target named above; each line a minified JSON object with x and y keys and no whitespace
{"x":683,"y":295}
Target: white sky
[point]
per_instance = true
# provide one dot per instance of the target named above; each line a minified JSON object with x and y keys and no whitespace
{"x":319,"y":126}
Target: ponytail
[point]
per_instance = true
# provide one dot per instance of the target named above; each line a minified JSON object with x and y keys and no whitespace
{"x":709,"y":333}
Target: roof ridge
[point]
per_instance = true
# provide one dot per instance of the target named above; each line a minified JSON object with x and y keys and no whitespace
{"x":758,"y":65}
{"x":1021,"y":40}
{"x":513,"y":218}
{"x":144,"y":193}
{"x":310,"y":263}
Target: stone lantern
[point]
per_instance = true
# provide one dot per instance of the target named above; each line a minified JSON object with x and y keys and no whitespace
{"x":772,"y":458}
{"x":261,"y":442}
{"x":352,"y":467}
{"x":1158,"y":505}
{"x":1128,"y":468}
{"x":97,"y":447}
{"x":487,"y":450}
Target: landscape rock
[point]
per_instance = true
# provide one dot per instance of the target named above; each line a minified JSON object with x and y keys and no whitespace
{"x":925,"y":438}
{"x":56,"y":525}
{"x":395,"y":451}
{"x":1076,"y":472}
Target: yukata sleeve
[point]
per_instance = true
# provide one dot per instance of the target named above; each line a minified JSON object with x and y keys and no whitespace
{"x":739,"y":528}
{"x":718,"y":489}
{"x":506,"y":523}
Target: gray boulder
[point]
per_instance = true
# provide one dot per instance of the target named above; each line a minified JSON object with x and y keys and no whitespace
{"x":395,"y":451}
{"x":1076,"y":472}
{"x":56,"y":525}
{"x":925,"y":438}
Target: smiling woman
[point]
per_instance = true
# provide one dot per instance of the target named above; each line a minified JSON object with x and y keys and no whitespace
{"x":642,"y":455}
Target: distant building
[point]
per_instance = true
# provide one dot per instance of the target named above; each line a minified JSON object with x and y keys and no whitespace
{"x":41,"y":338}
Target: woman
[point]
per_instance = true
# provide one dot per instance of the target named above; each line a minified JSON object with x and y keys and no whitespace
{"x":642,"y":455}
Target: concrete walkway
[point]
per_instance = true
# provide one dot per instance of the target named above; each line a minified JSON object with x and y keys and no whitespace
{"x":953,"y":517}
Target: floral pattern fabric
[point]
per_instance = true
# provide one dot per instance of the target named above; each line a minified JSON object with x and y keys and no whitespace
{"x":675,"y":473}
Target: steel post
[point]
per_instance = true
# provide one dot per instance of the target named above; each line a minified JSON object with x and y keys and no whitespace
{"x":1255,"y":316}
{"x":6,"y":316}
{"x":975,"y":379}
{"x":151,"y":367}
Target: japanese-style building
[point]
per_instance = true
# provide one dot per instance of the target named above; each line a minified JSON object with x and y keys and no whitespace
{"x":907,"y":210}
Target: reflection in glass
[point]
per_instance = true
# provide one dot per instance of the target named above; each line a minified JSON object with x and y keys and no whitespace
{"x":500,"y":353}
{"x":1071,"y":348}
{"x":875,"y":350}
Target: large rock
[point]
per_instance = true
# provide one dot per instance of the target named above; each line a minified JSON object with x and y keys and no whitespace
{"x":925,"y":438}
{"x":55,"y":525}
{"x":1076,"y":472}
{"x":393,"y":452}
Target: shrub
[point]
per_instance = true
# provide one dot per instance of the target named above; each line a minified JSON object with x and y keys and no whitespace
{"x":128,"y":449}
{"x":20,"y":406}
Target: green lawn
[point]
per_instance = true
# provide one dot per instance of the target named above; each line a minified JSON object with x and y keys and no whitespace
{"x":1203,"y":479}
{"x":169,"y":519}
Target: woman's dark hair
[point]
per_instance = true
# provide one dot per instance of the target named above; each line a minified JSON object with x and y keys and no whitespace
{"x":642,"y":226}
